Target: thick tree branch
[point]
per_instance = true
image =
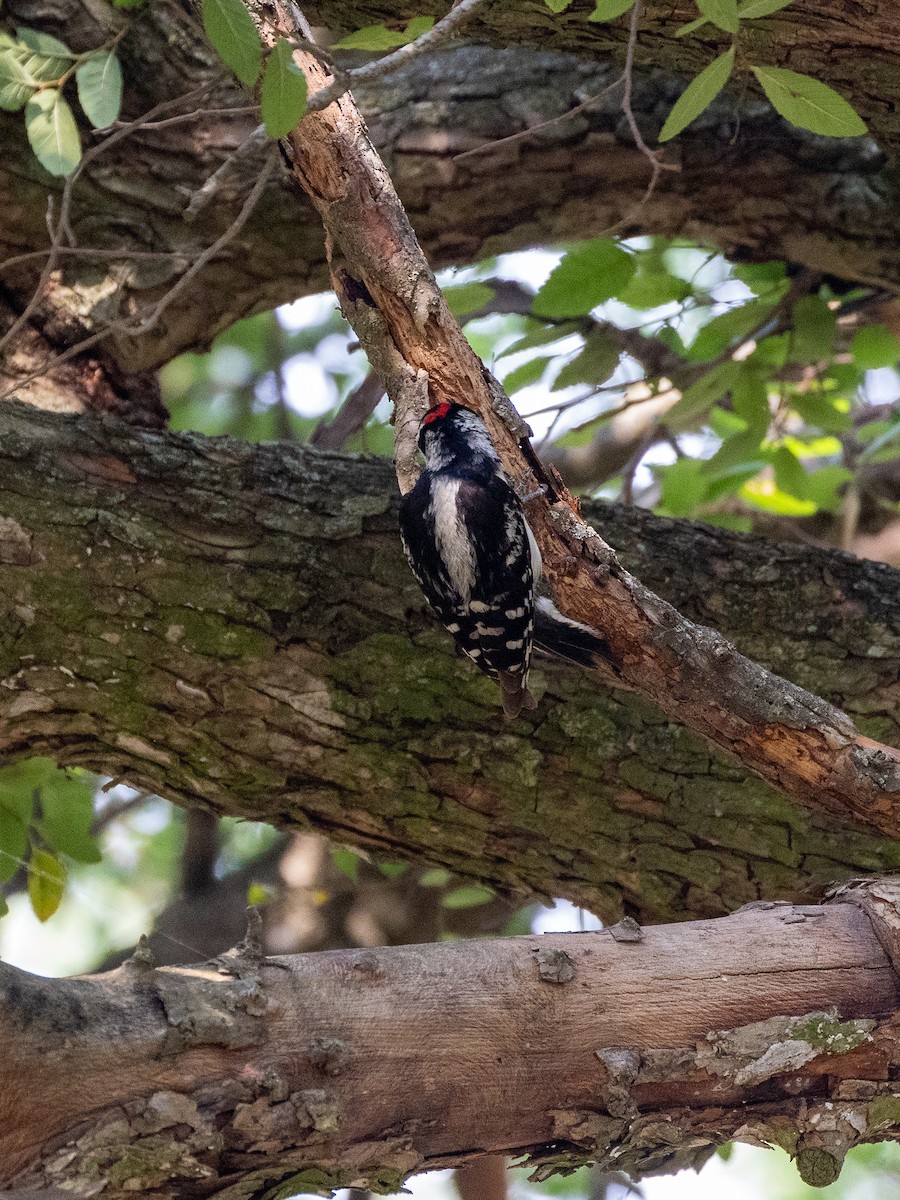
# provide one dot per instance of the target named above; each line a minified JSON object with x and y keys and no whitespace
{"x":748,"y":183}
{"x":235,"y":626}
{"x":642,"y":1050}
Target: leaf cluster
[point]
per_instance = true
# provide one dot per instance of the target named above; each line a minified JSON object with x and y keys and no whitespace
{"x":45,"y":818}
{"x":34,"y":70}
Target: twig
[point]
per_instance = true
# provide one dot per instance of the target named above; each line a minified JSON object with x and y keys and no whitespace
{"x":440,"y":32}
{"x":149,"y":322}
{"x":211,"y":251}
{"x":63,"y":230}
{"x":112,"y":812}
{"x":354,"y":413}
{"x":49,"y":268}
{"x":526,"y":133}
{"x":92,"y":252}
{"x":241,"y":111}
{"x":207,"y":190}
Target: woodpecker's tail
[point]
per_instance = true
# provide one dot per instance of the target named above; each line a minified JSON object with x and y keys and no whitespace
{"x":515,"y":693}
{"x":556,"y":635}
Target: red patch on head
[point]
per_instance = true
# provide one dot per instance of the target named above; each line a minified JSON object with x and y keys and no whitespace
{"x":436,"y":413}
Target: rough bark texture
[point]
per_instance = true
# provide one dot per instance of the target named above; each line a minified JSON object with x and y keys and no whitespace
{"x":641,"y":1050}
{"x":754,"y":187}
{"x":235,"y":626}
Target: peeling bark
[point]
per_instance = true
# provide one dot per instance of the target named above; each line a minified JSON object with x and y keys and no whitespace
{"x":238,"y":629}
{"x":259,"y":1077}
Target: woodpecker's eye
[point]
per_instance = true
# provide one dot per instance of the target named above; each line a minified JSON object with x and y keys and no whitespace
{"x":436,"y":413}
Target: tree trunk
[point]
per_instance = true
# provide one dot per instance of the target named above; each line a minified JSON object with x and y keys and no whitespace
{"x":754,"y":187}
{"x":234,"y":626}
{"x":641,"y":1050}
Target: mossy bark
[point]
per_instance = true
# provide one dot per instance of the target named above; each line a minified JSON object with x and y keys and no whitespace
{"x":235,"y":626}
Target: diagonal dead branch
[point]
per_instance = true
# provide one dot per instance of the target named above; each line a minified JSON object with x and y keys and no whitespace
{"x":786,"y":736}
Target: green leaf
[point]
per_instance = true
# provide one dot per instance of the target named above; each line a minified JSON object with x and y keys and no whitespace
{"x":762,"y":493}
{"x":809,"y":103}
{"x":875,"y":346}
{"x":760,"y":8}
{"x":608,"y":10}
{"x":683,"y":486}
{"x":815,"y":326}
{"x":469,"y":895}
{"x":771,"y":351}
{"x":540,"y":335}
{"x":759,"y":277}
{"x":66,"y":807}
{"x":595,"y":363}
{"x":821,"y":412}
{"x":346,"y":862}
{"x":526,"y":374}
{"x":824,"y":486}
{"x":557,"y":6}
{"x":723,"y":13}
{"x":465,"y":298}
{"x":46,"y":883}
{"x":19,"y":780}
{"x":587,"y":276}
{"x":44,"y":44}
{"x":727,"y":330}
{"x":52,"y":132}
{"x":652,"y":289}
{"x":684,"y":30}
{"x":697,"y":398}
{"x":13,"y":841}
{"x":379,"y":37}
{"x":790,"y":474}
{"x":16,"y":85}
{"x":750,"y":397}
{"x":434,"y":877}
{"x":99,"y":80}
{"x":283,"y":97}
{"x":42,"y":69}
{"x":724,"y":423}
{"x":392,"y":870}
{"x":827,"y":446}
{"x":233,"y":35}
{"x":698,"y":95}
{"x":741,"y":452}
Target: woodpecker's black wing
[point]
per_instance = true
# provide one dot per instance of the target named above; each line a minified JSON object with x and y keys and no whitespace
{"x":466,"y":541}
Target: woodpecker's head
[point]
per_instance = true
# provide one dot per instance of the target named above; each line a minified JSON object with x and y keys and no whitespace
{"x":450,"y":432}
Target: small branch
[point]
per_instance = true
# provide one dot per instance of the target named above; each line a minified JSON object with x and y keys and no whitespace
{"x":541,"y":125}
{"x":204,"y":194}
{"x":441,"y":32}
{"x":150,"y":322}
{"x":354,"y":413}
{"x":62,"y":232}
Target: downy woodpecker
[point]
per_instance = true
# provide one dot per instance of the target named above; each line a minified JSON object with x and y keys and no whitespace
{"x":469,"y":546}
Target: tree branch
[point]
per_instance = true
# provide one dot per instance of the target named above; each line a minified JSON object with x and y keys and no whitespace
{"x":644,"y":1050}
{"x":235,"y":626}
